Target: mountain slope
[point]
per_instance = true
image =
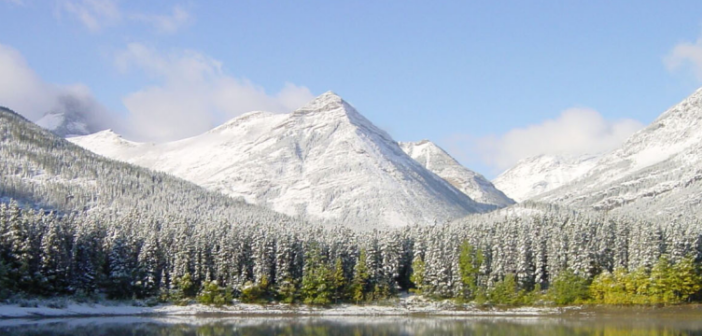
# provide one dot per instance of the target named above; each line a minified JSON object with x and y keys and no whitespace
{"x":536,"y":175}
{"x":41,"y":170}
{"x":657,"y":171}
{"x":436,"y":160}
{"x":323,"y":161}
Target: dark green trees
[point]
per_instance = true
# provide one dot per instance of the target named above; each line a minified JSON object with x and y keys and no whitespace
{"x":569,"y":288}
{"x":317,"y":285}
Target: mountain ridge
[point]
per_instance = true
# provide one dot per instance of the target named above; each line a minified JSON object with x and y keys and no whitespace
{"x":533,"y":176}
{"x":654,"y":172}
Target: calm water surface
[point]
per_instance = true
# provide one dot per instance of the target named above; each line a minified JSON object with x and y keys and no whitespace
{"x":616,"y":324}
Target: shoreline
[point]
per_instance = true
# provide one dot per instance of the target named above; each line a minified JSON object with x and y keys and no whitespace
{"x":417,"y":310}
{"x":104,"y":309}
{"x":405,"y":305}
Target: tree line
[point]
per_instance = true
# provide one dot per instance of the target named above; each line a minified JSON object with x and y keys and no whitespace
{"x":569,"y":257}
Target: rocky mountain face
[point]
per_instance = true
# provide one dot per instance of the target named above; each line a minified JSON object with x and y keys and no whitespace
{"x":536,"y":175}
{"x":324,"y":161}
{"x":657,"y":171}
{"x":438,"y":161}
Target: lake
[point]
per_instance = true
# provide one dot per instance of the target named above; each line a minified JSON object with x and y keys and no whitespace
{"x":583,"y":323}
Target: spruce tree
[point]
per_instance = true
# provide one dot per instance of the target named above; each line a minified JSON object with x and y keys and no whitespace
{"x":359,"y":283}
{"x":470,"y":261}
{"x":417,"y":277}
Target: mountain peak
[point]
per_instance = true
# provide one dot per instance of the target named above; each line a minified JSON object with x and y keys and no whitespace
{"x":535,"y":175}
{"x":104,"y":139}
{"x":330,"y":96}
{"x":327,"y":101}
{"x":71,"y":117}
{"x":108,"y":133}
{"x":242,"y":119}
{"x":325,"y":161}
{"x":438,"y":161}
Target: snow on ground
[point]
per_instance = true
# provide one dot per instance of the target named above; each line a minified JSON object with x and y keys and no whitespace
{"x":439,"y":162}
{"x":411,"y":305}
{"x":536,"y":175}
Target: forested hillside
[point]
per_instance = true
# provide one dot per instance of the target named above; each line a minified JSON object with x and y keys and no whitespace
{"x":41,"y":170}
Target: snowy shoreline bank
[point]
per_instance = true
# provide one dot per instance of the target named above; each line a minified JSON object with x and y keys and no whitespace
{"x":407,"y":306}
{"x":74,"y":309}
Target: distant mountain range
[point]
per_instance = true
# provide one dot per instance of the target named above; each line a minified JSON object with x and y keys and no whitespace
{"x":657,"y":171}
{"x":438,"y":161}
{"x":536,"y":175}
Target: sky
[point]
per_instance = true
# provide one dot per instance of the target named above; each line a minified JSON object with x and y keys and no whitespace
{"x":492,"y":82}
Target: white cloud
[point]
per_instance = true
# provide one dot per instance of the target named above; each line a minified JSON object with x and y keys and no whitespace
{"x":686,"y":54}
{"x":99,"y":14}
{"x":20,"y":88}
{"x":193,"y":94}
{"x":168,"y":23}
{"x":93,"y":14}
{"x":23,"y":91}
{"x":576,"y":131}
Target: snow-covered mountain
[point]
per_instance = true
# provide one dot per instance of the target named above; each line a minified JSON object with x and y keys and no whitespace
{"x":657,"y":171}
{"x":42,"y":170}
{"x":323,"y":161}
{"x":438,"y":161}
{"x":536,"y":175}
{"x":70,"y":118}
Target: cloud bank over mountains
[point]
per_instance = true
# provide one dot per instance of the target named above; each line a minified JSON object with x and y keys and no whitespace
{"x":192,"y":94}
{"x":22,"y":90}
{"x":686,"y":55}
{"x":575,"y":131}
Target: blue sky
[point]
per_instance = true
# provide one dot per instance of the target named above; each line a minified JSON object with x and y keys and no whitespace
{"x":491,"y":82}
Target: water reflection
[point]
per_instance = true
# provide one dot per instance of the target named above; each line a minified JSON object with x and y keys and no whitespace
{"x":358,"y":326}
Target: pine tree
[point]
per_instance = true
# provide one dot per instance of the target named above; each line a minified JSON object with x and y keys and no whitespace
{"x":686,"y":280}
{"x":359,"y":283}
{"x":505,"y":292}
{"x":568,"y":288}
{"x":20,"y":249}
{"x":470,"y":261}
{"x":339,"y":282}
{"x":149,"y":270}
{"x":417,"y":277}
{"x":661,"y":289}
{"x":5,"y":288}
{"x":121,"y":269}
{"x":54,"y":259}
{"x":317,"y":284}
